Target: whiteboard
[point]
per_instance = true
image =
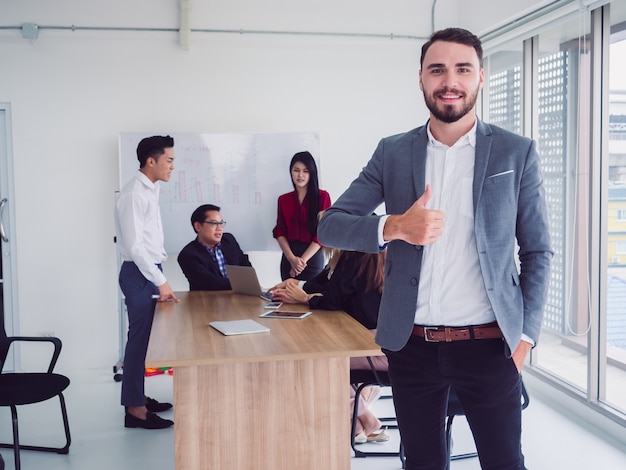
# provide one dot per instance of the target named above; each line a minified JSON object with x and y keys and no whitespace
{"x":243,"y":174}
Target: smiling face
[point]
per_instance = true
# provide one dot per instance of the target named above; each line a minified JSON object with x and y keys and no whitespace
{"x":450,"y":79}
{"x":300,"y":175}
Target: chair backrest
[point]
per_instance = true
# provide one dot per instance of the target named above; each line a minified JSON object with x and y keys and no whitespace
{"x":4,"y":346}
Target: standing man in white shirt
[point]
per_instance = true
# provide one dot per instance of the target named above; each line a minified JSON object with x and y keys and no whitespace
{"x":140,"y":240}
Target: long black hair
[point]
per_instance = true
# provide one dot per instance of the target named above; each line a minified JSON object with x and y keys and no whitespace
{"x":312,"y":189}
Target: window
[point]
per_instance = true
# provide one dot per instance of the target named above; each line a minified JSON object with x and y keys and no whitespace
{"x":505,"y":88}
{"x":577,"y":115}
{"x":613,"y":328}
{"x":562,"y":79}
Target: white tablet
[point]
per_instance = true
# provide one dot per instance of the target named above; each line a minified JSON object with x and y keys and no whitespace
{"x":285,"y":314}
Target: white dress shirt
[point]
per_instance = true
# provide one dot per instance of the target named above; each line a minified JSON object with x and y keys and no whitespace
{"x":451,"y":289}
{"x":139,"y":227}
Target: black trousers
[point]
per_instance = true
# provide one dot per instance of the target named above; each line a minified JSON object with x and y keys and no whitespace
{"x":487,"y":384}
{"x":313,"y":267}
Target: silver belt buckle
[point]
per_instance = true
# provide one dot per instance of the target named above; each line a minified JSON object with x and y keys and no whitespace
{"x":426,"y":330}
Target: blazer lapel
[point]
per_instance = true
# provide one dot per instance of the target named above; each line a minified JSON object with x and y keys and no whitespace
{"x":481,"y":160}
{"x":418,"y":160}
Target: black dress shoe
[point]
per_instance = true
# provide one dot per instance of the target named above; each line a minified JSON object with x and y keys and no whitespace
{"x":155,"y":406}
{"x":152,"y":421}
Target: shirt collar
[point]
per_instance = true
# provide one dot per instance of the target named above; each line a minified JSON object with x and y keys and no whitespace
{"x":219,"y":245}
{"x":468,"y":138}
{"x":146,"y":181}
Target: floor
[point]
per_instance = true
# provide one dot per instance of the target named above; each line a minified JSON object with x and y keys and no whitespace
{"x":99,"y":440}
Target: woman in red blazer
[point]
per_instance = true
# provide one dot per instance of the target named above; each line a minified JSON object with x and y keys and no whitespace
{"x":296,"y":223}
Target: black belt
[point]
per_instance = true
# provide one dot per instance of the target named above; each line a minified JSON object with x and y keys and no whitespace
{"x":457,"y":333}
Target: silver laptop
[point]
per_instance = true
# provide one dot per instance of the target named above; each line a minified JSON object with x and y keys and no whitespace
{"x":243,"y":280}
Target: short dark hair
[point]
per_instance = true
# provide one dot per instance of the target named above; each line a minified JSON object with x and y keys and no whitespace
{"x":153,"y":147}
{"x":458,"y":35}
{"x":200,"y":213}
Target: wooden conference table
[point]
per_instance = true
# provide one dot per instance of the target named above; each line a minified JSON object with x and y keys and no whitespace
{"x":265,"y":401}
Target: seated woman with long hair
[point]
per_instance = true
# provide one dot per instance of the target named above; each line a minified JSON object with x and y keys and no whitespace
{"x":351,"y":281}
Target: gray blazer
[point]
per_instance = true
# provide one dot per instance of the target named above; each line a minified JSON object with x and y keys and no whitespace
{"x":509,"y":207}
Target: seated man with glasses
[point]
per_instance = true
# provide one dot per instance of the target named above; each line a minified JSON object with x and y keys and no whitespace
{"x":204,"y":259}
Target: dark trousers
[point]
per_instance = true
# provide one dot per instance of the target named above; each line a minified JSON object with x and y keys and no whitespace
{"x":140,"y":306}
{"x":487,"y":384}
{"x":313,"y":267}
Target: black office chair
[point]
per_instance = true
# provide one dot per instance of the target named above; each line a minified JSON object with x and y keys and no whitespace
{"x":455,"y":409}
{"x":363,"y":378}
{"x":24,"y":388}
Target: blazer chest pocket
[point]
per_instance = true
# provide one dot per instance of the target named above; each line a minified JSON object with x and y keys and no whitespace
{"x":500,"y":190}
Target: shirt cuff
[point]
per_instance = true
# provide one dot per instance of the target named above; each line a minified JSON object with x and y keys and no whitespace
{"x":381,"y":228}
{"x":528,"y":339}
{"x":301,"y":284}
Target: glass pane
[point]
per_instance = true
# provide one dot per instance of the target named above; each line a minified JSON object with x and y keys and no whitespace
{"x":562,"y":104}
{"x":615,"y":360}
{"x":505,"y":88}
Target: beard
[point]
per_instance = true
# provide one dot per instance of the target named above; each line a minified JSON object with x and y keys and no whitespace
{"x":448,"y":113}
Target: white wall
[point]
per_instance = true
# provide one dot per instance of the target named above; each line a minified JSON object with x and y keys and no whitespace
{"x":72,"y":93}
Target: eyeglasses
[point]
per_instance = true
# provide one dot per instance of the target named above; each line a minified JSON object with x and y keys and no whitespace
{"x":214,"y":223}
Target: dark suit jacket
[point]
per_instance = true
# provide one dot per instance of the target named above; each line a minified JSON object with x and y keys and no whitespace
{"x":202,"y":270}
{"x":509,"y":208}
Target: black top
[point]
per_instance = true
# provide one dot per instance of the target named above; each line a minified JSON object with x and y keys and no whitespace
{"x":345,"y":291}
{"x":202,"y":270}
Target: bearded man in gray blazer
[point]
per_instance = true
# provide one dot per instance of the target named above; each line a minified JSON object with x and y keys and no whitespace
{"x":455,"y":311}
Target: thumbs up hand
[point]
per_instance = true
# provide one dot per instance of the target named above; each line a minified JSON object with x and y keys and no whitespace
{"x":417,"y":225}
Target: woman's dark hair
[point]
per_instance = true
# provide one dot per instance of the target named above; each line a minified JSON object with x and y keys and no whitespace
{"x":312,"y":190}
{"x":372,"y":266}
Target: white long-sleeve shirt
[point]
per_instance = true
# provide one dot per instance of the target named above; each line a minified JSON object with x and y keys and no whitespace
{"x":139,"y":227}
{"x":451,"y":288}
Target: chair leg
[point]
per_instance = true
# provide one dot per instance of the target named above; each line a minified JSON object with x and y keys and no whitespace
{"x":59,"y":450}
{"x":448,"y":440}
{"x":16,"y":438}
{"x":66,"y":426}
{"x":451,"y":457}
{"x":355,"y":412}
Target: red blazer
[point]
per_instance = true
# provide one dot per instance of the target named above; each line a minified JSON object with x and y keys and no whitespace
{"x":291,"y":220}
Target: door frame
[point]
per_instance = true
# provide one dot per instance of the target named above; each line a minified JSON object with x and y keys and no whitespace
{"x":9,"y":265}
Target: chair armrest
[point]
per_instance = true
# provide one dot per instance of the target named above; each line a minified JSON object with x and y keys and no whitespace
{"x":40,"y":339}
